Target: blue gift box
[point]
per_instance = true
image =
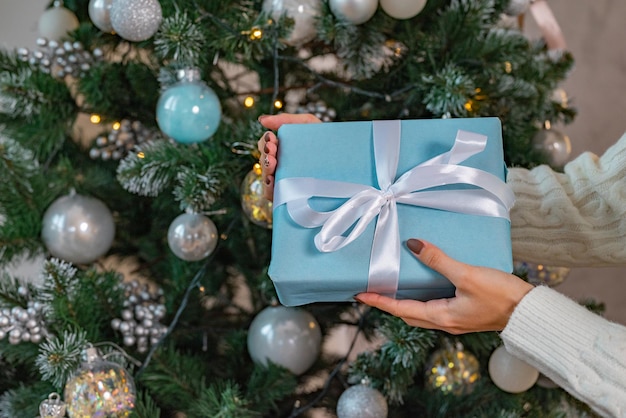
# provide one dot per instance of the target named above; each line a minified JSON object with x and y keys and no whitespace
{"x":346,"y":152}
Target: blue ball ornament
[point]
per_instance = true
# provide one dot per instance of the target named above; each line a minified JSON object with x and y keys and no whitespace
{"x":189,"y":111}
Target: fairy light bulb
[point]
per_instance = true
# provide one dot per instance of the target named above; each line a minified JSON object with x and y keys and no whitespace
{"x":278,"y":104}
{"x":248,"y":101}
{"x":95,"y":119}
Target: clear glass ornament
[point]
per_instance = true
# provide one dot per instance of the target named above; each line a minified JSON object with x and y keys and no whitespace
{"x":290,"y":337}
{"x":453,"y":370}
{"x":192,"y":236}
{"x":100,"y":14}
{"x":189,"y":111}
{"x":304,"y":14}
{"x":99,"y":389}
{"x":254,"y":204}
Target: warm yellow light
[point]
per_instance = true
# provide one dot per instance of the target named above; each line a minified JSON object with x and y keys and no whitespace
{"x":95,"y":119}
{"x":508,"y":67}
{"x":248,"y":101}
{"x":278,"y":104}
{"x":116,"y":126}
{"x":257,"y":169}
{"x":469,"y":105}
{"x":256,"y":34}
{"x":140,"y":154}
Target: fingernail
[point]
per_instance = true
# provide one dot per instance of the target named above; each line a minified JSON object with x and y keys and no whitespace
{"x":268,"y":181}
{"x":266,"y":137}
{"x":356,"y":297}
{"x":261,"y":117}
{"x":415,"y":245}
{"x":266,"y":149}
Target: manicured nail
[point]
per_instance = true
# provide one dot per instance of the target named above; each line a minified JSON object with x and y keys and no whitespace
{"x":415,"y":245}
{"x":268,"y":181}
{"x":266,"y":137}
{"x":266,"y":149}
{"x":356,"y":297}
{"x":261,"y":117}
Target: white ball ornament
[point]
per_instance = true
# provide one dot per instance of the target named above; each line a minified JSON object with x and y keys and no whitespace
{"x":136,"y":20}
{"x":354,"y":11}
{"x":100,"y":14}
{"x":510,"y":373}
{"x":56,"y":22}
{"x":78,"y":229}
{"x":402,"y":9}
{"x":192,"y":236}
{"x":517,"y":7}
{"x":362,"y":401}
{"x":289,"y":337}
{"x":304,"y":14}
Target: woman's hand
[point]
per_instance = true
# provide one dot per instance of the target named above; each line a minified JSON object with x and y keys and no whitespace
{"x":268,"y":145}
{"x":484,"y":300}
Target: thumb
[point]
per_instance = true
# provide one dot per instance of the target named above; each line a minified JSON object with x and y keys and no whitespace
{"x":432,"y":256}
{"x":274,"y":122}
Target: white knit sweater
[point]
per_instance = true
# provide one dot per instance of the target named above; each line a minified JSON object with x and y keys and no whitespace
{"x":575,"y":218}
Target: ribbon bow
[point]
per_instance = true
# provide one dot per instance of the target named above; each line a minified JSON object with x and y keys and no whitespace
{"x":339,"y":227}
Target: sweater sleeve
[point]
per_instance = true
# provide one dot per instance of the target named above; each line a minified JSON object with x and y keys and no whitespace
{"x":574,"y":218}
{"x":582,"y":352}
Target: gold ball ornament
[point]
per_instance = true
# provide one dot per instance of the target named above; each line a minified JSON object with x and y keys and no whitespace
{"x":453,"y":370}
{"x":256,"y":207}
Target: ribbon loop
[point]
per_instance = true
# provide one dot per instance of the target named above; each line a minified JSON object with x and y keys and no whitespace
{"x":488,"y":194}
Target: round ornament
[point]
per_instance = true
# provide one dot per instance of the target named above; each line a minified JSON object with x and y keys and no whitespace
{"x":354,"y":11}
{"x":53,"y":407}
{"x":510,"y":373}
{"x":78,"y":229}
{"x":555,"y":145}
{"x":99,"y":389}
{"x":256,"y":207}
{"x":136,"y":20}
{"x":517,"y":7}
{"x":100,"y":14}
{"x":402,"y":9}
{"x":453,"y":370}
{"x":289,"y":337}
{"x":57,"y":21}
{"x":192,"y":236}
{"x":539,"y":274}
{"x":304,"y":14}
{"x":189,"y":111}
{"x":362,"y":401}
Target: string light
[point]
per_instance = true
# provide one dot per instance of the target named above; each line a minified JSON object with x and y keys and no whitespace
{"x":256,"y":34}
{"x":257,"y":169}
{"x":278,"y":104}
{"x":508,"y":67}
{"x":95,"y":119}
{"x":248,"y":101}
{"x":140,"y":154}
{"x":116,"y":126}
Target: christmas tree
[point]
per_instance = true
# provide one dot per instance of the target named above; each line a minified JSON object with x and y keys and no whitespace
{"x":154,"y":297}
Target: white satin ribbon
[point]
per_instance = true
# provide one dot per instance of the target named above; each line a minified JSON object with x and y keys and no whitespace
{"x":341,"y":226}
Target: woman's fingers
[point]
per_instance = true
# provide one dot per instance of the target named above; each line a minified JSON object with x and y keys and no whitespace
{"x":274,"y":122}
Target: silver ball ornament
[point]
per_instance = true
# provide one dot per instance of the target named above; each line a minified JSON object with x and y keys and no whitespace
{"x":56,"y":22}
{"x":289,"y":337}
{"x":555,"y":145}
{"x":136,"y":20}
{"x":362,"y":401}
{"x":192,"y":236}
{"x":354,"y":11}
{"x":510,"y":373}
{"x":517,"y":7}
{"x":78,"y":229}
{"x":402,"y":9}
{"x":304,"y":14}
{"x":100,"y":14}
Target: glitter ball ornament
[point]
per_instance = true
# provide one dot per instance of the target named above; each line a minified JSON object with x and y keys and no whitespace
{"x":254,"y":204}
{"x":354,"y":11}
{"x":319,"y":109}
{"x":189,"y":111}
{"x":139,"y":321}
{"x":402,"y":9}
{"x":362,"y":401}
{"x":510,"y":373}
{"x":78,"y":229}
{"x":539,"y":274}
{"x":99,"y":389}
{"x":57,"y":21}
{"x":121,"y":140}
{"x":53,"y":407}
{"x":20,"y":324}
{"x":289,"y":337}
{"x":100,"y":14}
{"x":192,"y":236}
{"x":60,"y":59}
{"x":555,"y":145}
{"x":136,"y":20}
{"x":304,"y":14}
{"x":453,"y":370}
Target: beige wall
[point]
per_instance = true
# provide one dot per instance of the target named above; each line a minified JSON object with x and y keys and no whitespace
{"x":595,"y":33}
